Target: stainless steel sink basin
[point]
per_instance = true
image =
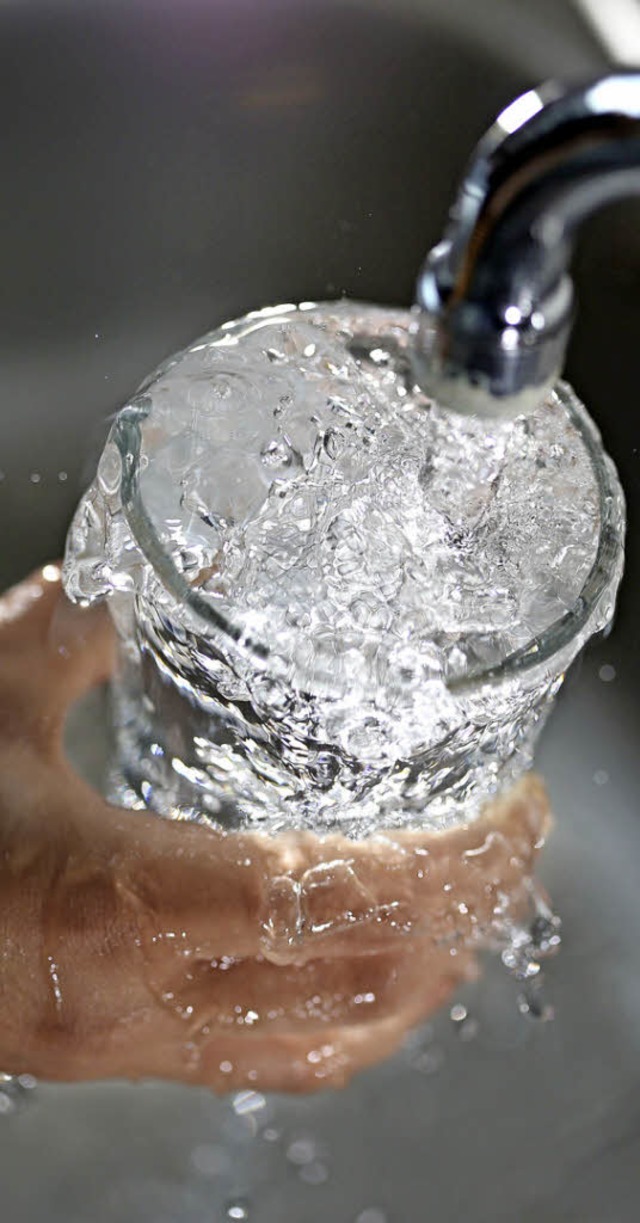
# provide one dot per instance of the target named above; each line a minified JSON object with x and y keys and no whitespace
{"x":168,"y":166}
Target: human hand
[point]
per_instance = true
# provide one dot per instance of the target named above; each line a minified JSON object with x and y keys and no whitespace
{"x":135,"y":947}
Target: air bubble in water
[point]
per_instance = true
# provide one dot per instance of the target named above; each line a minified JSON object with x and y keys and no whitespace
{"x":276,"y":454}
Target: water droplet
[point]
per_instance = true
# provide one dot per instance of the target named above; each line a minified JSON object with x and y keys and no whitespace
{"x":601,"y":777}
{"x":14,"y":1090}
{"x":371,"y":1215}
{"x":315,"y":1173}
{"x":531,"y":1002}
{"x":246,"y":1102}
{"x":55,"y":983}
{"x":429,"y":1060}
{"x":607,"y":673}
{"x":7,"y":1104}
{"x":301,"y":1151}
{"x":210,"y":1160}
{"x":469,"y":1029}
{"x":520,"y":963}
{"x":35,"y":477}
{"x":237,"y":1210}
{"x":63,"y":476}
{"x":271,"y":1134}
{"x":545,"y":928}
{"x":28,"y":1082}
{"x":364,"y":999}
{"x":226,"y":1067}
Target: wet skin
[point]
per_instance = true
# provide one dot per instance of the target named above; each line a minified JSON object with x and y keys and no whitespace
{"x":136,"y":947}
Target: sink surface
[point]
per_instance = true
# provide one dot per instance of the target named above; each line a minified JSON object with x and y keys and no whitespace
{"x":167,"y":167}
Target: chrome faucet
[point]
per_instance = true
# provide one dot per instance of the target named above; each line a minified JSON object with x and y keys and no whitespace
{"x":495,"y":298}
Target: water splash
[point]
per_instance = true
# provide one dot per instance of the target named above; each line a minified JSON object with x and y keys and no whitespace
{"x":528,"y":945}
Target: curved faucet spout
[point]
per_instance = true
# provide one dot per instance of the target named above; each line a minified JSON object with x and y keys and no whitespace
{"x":495,"y":298}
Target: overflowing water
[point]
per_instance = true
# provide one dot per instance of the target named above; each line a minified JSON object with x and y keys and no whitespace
{"x":341,"y":611}
{"x":330,"y":593}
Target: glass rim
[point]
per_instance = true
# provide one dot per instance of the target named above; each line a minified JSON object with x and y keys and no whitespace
{"x":604,"y":574}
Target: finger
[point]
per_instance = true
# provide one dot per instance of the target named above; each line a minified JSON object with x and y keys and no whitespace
{"x":141,"y":1047}
{"x":254,"y":995}
{"x":95,"y":909}
{"x":337,"y":1033}
{"x":314,"y":1060}
{"x":292,"y":899}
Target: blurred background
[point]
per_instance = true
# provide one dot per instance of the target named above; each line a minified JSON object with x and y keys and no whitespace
{"x":168,"y":165}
